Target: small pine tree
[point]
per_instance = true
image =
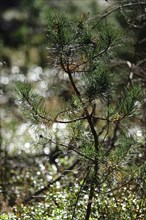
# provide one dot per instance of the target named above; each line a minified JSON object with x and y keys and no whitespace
{"x":96,"y":117}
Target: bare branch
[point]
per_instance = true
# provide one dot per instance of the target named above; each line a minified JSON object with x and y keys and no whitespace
{"x":108,"y":11}
{"x":70,"y":147}
{"x":65,"y":172}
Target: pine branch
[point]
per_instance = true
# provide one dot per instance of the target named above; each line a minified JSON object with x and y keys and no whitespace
{"x":127,"y":106}
{"x":116,"y":8}
{"x":33,"y":105}
{"x":70,"y":147}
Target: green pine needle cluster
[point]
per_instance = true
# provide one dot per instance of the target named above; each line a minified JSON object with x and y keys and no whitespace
{"x":122,"y":150}
{"x":60,"y":32}
{"x":32,"y":104}
{"x":128,"y":105}
{"x":97,"y":83}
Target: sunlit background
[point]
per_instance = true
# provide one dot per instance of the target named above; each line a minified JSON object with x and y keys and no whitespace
{"x":24,"y":56}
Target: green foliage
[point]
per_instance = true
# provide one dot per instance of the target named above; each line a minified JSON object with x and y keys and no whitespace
{"x":88,"y":150}
{"x":60,"y":32}
{"x":33,"y":105}
{"x":78,"y":46}
{"x":107,"y":179}
{"x":59,"y":203}
{"x":127,"y":105}
{"x":97,"y":83}
{"x":82,"y":49}
{"x":4,"y":216}
{"x":120,"y":153}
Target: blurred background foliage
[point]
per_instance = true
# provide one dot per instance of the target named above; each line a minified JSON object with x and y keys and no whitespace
{"x":24,"y":166}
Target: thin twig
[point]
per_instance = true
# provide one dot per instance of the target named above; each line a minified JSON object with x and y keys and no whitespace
{"x":73,"y":149}
{"x":78,"y":196}
{"x":108,"y":12}
{"x":65,"y":172}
